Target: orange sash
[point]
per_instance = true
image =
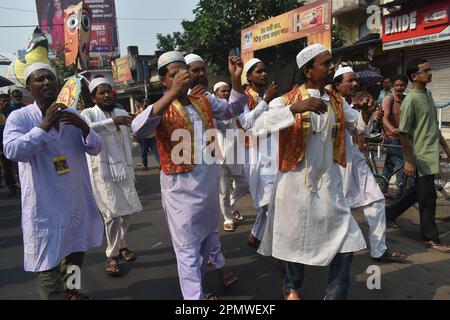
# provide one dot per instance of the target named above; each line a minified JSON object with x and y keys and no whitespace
{"x":175,"y":118}
{"x":294,"y":140}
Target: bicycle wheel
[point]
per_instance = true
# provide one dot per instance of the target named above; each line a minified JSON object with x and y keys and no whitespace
{"x":382,"y":183}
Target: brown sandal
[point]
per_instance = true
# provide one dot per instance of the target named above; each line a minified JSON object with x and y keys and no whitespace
{"x":291,"y":295}
{"x":392,"y":256}
{"x":75,"y":295}
{"x":127,"y":255}
{"x":211,"y":297}
{"x":227,"y":277}
{"x":112,"y":267}
{"x":438,"y":247}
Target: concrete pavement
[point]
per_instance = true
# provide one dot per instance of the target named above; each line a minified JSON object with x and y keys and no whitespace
{"x":154,"y":274}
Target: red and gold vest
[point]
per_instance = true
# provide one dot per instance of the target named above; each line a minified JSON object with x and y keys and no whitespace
{"x":176,"y":118}
{"x":294,"y":140}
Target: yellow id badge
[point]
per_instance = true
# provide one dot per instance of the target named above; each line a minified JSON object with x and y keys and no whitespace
{"x":61,"y":166}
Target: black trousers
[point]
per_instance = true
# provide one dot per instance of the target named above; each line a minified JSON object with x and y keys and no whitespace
{"x":425,"y":194}
{"x":7,"y":167}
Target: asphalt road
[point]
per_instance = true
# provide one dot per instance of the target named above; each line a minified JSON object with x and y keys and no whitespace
{"x":154,"y":275}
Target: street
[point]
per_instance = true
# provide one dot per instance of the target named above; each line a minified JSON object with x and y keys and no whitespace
{"x":154,"y":275}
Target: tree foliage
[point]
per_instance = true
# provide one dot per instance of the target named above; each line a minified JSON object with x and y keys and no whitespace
{"x":338,"y":36}
{"x":217,"y":27}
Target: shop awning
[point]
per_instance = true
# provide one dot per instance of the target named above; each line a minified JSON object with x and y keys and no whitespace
{"x":359,"y":47}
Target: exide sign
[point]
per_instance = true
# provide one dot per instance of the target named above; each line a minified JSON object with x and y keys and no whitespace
{"x":401,"y":23}
{"x":417,"y":26}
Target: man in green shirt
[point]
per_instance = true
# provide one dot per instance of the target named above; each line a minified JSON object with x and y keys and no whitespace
{"x":420,"y":138}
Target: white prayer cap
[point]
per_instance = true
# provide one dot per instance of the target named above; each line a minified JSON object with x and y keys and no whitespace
{"x":343,"y":70}
{"x":98,"y":82}
{"x":170,"y":57}
{"x":309,"y":53}
{"x":190,"y":58}
{"x":35,"y":67}
{"x":219,"y":85}
{"x":250,"y":64}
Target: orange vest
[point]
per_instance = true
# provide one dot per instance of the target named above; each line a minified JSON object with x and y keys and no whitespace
{"x":175,"y":118}
{"x":251,"y":104}
{"x":294,"y":140}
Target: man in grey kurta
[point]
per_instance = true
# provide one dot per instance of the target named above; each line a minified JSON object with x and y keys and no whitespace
{"x":60,"y":219}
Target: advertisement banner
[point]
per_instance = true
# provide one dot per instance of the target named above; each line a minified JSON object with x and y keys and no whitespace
{"x":417,"y":26}
{"x":103,"y":42}
{"x":299,"y":23}
{"x":121,"y":71}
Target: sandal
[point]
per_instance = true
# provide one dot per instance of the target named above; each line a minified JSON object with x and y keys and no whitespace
{"x":127,"y":255}
{"x":237,"y":216}
{"x":211,"y":297}
{"x":75,"y":295}
{"x":112,"y":268}
{"x":253,"y":242}
{"x":292,"y":295}
{"x":229,"y":226}
{"x":227,"y":277}
{"x":392,"y":224}
{"x":438,"y":247}
{"x":391,"y":256}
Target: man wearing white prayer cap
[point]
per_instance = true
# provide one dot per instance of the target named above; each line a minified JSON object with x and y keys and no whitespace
{"x":199,"y":83}
{"x":95,"y":83}
{"x":258,"y":174}
{"x":309,"y":222}
{"x":35,"y":67}
{"x":222,"y":90}
{"x":189,"y":187}
{"x":361,"y":190}
{"x":60,"y":219}
{"x":112,"y":172}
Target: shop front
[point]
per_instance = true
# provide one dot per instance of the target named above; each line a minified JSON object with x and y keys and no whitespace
{"x":423,"y":32}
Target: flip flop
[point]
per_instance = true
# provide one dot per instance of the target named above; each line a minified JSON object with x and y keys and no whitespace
{"x":439,"y":247}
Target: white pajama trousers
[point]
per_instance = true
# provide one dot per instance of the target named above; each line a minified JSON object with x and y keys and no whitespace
{"x":228,"y":196}
{"x":115,"y":232}
{"x":375,"y":215}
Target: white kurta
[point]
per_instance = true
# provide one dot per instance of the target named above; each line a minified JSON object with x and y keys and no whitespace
{"x":260,"y":170}
{"x":114,"y":198}
{"x":229,"y":146}
{"x":59,"y":214}
{"x":191,"y":200}
{"x":360,"y":186}
{"x":303,"y":226}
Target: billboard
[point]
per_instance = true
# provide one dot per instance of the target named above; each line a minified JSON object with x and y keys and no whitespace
{"x":103,"y":43}
{"x":121,"y":71}
{"x":307,"y":21}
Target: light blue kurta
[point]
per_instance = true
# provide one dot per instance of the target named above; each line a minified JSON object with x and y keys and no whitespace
{"x":191,"y":200}
{"x":59,"y":213}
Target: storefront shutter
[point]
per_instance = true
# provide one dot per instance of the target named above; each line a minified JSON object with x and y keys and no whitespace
{"x":438,"y":55}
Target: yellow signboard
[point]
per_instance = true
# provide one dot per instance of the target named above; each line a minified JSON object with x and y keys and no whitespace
{"x":309,"y":21}
{"x":121,"y":71}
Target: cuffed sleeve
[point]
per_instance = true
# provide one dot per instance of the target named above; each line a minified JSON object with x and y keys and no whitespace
{"x":92,"y":144}
{"x":277,"y":118}
{"x":248,"y":118}
{"x":103,"y":127}
{"x":144,"y":124}
{"x":225,"y":110}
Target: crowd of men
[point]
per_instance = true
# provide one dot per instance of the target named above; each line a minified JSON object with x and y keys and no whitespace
{"x":301,"y":163}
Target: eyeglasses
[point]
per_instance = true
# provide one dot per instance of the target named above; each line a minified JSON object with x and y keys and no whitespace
{"x":425,"y":71}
